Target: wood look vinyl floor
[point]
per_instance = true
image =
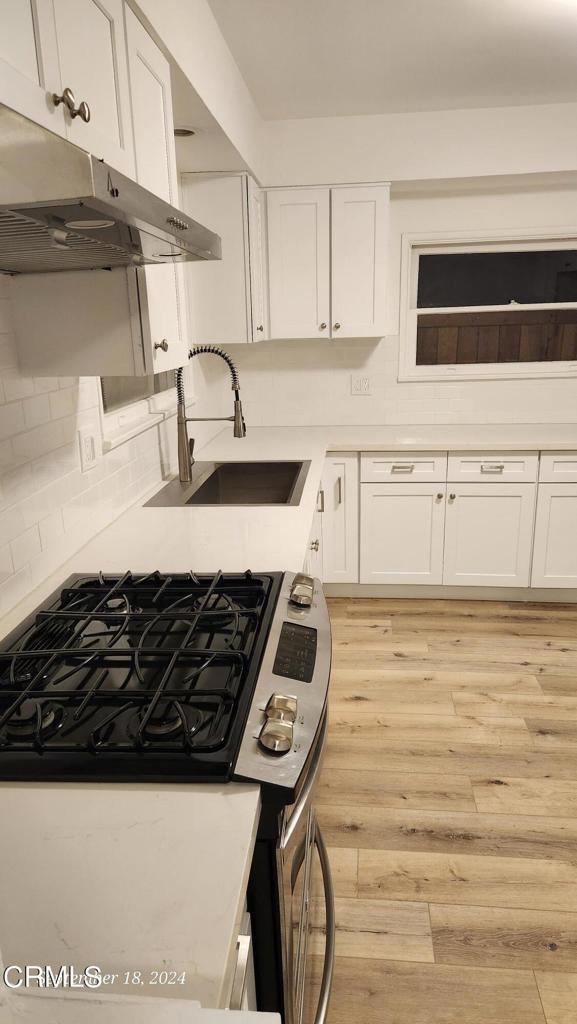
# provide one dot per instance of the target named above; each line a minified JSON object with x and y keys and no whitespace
{"x":448,"y":801}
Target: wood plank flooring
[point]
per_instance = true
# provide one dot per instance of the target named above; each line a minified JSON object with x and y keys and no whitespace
{"x":448,"y":801}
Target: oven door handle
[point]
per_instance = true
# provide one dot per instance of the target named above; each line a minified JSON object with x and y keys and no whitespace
{"x":307,"y":789}
{"x":327,"y":978}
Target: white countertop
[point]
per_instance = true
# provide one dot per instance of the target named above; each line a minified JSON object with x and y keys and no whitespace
{"x":128,"y":876}
{"x":94,"y":1008}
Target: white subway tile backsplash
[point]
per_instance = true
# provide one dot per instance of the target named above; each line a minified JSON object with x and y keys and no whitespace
{"x":11,"y":419}
{"x":62,"y":402}
{"x":25,"y":547}
{"x":36,"y":410}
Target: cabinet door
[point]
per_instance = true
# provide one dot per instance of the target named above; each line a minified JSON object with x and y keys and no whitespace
{"x":29,"y":71}
{"x":257,"y":260}
{"x":219,"y":290}
{"x":313,"y":562}
{"x":92,"y":55}
{"x":555,"y":549}
{"x":155,"y":164}
{"x":488,"y":534}
{"x":402,"y":533}
{"x":358,"y":260}
{"x":340,"y":502}
{"x":298,"y":250}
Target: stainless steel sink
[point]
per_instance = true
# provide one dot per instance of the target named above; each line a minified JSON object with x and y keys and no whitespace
{"x":237,"y":483}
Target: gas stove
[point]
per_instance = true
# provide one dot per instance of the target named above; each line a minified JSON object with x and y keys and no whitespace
{"x":165,"y":677}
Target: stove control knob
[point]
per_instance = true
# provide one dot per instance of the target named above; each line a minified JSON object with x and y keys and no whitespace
{"x":276,"y":736}
{"x":282,"y":708}
{"x":302,"y":590}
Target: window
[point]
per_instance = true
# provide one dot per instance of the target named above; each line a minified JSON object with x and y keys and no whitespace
{"x":489,"y":308}
{"x":120,"y":391}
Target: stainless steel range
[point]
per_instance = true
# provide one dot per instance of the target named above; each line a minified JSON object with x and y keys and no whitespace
{"x":182,"y":678}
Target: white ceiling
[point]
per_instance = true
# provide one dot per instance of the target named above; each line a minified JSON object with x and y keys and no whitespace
{"x":314,"y":58}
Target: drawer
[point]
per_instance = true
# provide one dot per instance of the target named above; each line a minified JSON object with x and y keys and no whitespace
{"x":388,"y":467}
{"x":493,"y":467}
{"x":558,"y":468}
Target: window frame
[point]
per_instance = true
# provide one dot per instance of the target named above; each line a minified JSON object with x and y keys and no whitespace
{"x":413,"y":245}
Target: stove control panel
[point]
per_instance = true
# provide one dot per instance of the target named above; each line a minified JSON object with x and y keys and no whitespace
{"x":296,"y":652}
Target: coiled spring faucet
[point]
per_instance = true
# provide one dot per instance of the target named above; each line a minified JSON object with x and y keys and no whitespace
{"x":186,"y":445}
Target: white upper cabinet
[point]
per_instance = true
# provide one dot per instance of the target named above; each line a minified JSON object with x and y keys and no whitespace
{"x":29,"y":71}
{"x":161,"y":288}
{"x":299,"y":267}
{"x":258,"y":261}
{"x":359,"y":219}
{"x":227,"y":301}
{"x":92,"y":57}
{"x":488,"y":534}
{"x":47,"y":46}
{"x":327,"y":258}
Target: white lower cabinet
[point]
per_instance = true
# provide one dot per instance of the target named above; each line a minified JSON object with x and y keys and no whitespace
{"x":488,"y":534}
{"x":340,"y":518}
{"x":402,"y":528}
{"x":313,"y":561}
{"x":555,"y":548}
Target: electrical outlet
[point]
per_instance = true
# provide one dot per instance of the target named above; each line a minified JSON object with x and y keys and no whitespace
{"x":360,"y":384}
{"x":88,"y":450}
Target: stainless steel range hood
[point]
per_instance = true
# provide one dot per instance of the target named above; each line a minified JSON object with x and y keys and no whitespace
{"x":62,"y":209}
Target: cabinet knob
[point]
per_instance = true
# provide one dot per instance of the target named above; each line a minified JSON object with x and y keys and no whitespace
{"x":161,"y":344}
{"x":260,"y":327}
{"x":315,"y":545}
{"x":336,"y":327}
{"x":68,"y":99}
{"x":322,"y":327}
{"x":439,"y":495}
{"x":452,"y":497}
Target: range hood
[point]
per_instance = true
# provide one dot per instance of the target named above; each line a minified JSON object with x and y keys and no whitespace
{"x":62,"y":209}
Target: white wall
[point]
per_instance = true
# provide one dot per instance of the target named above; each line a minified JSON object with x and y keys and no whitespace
{"x":308,"y":382}
{"x":189,"y":33}
{"x":48,"y":508}
{"x":438,"y":144}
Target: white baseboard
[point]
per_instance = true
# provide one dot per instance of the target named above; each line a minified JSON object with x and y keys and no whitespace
{"x":526,"y":594}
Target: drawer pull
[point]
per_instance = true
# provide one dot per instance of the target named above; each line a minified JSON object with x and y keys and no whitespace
{"x":492,"y":467}
{"x":402,"y":467}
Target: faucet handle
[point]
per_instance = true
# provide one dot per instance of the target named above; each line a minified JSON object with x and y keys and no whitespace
{"x":191,"y":448}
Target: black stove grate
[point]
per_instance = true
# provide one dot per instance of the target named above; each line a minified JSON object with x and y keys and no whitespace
{"x":125,"y":670}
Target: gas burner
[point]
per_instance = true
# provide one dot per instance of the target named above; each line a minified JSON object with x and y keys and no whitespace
{"x":34,"y":719}
{"x":168,"y":720}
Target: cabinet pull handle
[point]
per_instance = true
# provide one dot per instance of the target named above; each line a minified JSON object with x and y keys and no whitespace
{"x":68,"y":99}
{"x":340,"y":490}
{"x":492,"y":467}
{"x":321,"y":501}
{"x":161,"y":344}
{"x":315,"y":544}
{"x":260,"y":327}
{"x":402,"y":467}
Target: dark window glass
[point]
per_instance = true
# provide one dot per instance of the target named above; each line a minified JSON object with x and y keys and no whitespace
{"x":497,"y":278}
{"x":516,"y":336}
{"x":119,"y":391}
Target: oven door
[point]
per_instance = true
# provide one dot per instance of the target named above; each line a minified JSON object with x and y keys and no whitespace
{"x":300,"y":844}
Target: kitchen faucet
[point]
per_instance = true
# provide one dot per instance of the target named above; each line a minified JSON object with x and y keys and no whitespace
{"x":186,"y":445}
